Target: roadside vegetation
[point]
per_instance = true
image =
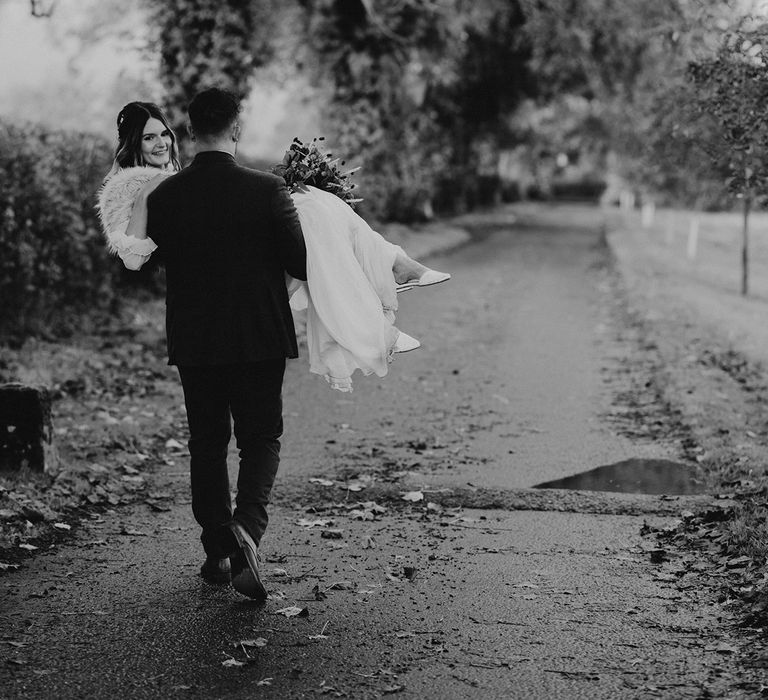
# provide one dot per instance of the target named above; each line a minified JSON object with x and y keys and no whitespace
{"x":709,"y":369}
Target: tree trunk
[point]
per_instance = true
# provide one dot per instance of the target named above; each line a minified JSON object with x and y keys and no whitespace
{"x":26,"y":432}
{"x":745,"y":246}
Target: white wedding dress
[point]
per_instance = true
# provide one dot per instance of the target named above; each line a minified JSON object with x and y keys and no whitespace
{"x":350,"y":294}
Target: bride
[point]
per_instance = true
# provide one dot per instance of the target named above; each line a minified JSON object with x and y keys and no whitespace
{"x":353,"y":273}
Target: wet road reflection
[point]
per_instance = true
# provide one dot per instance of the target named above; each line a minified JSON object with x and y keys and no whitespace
{"x":651,"y":476}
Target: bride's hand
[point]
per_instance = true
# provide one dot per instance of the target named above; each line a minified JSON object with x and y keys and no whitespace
{"x":137,"y":224}
{"x":150,"y":187}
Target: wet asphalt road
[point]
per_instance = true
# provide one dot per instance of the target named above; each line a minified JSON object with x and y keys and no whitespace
{"x":413,"y":599}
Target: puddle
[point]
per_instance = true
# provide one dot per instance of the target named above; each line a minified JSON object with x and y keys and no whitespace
{"x":652,"y":476}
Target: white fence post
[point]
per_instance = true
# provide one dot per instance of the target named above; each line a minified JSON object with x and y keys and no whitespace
{"x":693,"y":238}
{"x":647,"y":214}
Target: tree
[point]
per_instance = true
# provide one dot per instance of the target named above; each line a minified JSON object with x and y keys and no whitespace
{"x":379,"y":60}
{"x":731,"y":90}
{"x":616,"y":55}
{"x":415,"y":87}
{"x":210,"y":42}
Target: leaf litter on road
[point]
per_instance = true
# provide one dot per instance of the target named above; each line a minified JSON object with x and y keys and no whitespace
{"x":293,"y":611}
{"x":256,"y":643}
{"x":321,"y":635}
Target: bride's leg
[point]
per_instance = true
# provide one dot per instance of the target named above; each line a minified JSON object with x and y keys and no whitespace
{"x":405,"y":268}
{"x":409,"y":273}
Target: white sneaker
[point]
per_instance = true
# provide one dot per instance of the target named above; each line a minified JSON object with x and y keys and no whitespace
{"x":405,"y":343}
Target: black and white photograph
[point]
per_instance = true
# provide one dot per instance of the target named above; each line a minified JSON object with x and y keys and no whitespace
{"x":383,"y":348}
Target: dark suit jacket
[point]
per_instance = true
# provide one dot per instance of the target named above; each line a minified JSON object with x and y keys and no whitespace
{"x":227,"y":235}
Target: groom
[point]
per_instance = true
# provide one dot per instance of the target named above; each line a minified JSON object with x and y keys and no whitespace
{"x":227,"y":236}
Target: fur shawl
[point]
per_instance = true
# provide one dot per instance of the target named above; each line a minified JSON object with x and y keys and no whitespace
{"x":115,"y":200}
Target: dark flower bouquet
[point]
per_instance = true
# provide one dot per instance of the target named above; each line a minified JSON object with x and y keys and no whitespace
{"x":307,"y":164}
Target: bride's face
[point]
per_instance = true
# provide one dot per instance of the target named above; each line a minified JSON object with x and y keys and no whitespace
{"x":156,"y":143}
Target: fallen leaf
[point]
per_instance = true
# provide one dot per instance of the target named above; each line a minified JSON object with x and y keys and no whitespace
{"x":341,"y":586}
{"x":62,"y":526}
{"x":253,"y":643}
{"x":229,"y":663}
{"x":158,"y":506}
{"x":738,"y":562}
{"x":132,"y":531}
{"x":27,"y":546}
{"x":293,"y":611}
{"x":318,"y":522}
{"x":359,"y":514}
{"x":172,"y":444}
{"x":390,"y":689}
{"x":659,"y":556}
{"x":279,"y":572}
{"x":410,"y":572}
{"x":413,"y":496}
{"x":265,"y":681}
{"x":322,"y":482}
{"x":321,"y":635}
{"x":368,"y":542}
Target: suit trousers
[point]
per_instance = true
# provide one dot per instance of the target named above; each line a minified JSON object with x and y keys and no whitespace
{"x":248,"y":395}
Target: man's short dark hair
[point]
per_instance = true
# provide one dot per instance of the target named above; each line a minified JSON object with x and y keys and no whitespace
{"x":213,"y":111}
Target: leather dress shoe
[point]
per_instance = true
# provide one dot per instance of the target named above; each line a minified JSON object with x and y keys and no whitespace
{"x":216,"y":571}
{"x":245,"y":565}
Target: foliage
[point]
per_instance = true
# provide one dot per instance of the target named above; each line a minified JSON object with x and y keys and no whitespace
{"x":375,"y":59}
{"x":599,"y":49}
{"x":307,"y":164}
{"x":206,"y":43}
{"x":731,"y":89}
{"x":53,"y":261}
{"x":491,"y":78}
{"x":616,"y":56}
{"x":412,"y":84}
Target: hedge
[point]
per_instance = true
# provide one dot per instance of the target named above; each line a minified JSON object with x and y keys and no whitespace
{"x":54,"y":267}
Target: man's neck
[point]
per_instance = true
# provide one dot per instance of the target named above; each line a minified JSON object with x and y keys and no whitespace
{"x":223,"y":145}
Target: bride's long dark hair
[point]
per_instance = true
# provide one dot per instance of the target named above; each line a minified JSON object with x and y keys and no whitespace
{"x":130,"y":129}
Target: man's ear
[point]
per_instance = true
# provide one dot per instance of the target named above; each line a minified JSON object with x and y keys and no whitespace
{"x":236,"y":132}
{"x":190,"y":132}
